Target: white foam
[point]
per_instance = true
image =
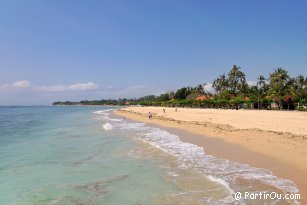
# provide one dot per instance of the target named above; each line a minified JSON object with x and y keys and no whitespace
{"x":222,"y":182}
{"x":174,"y":174}
{"x":107,"y":126}
{"x":103,"y":111}
{"x":228,"y":173}
{"x":105,"y":115}
{"x":116,"y":120}
{"x":190,"y":155}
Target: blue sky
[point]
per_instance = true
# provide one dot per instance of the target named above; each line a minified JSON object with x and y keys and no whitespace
{"x":73,"y":50}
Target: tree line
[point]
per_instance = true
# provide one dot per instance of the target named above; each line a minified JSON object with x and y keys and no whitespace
{"x":276,"y":91}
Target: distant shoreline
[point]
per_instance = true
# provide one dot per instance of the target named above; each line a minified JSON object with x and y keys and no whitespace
{"x":90,"y":105}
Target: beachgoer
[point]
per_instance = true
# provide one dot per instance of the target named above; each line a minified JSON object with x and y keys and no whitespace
{"x":164,"y":110}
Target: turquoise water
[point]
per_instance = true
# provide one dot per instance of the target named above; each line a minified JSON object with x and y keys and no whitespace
{"x":60,"y":155}
{"x":85,"y":155}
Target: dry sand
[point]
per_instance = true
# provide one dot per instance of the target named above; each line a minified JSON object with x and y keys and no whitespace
{"x":275,"y":140}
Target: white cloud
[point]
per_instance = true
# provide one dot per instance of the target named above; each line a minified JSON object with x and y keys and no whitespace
{"x":83,"y":86}
{"x":208,"y":87}
{"x":127,"y":92}
{"x":25,"y":93}
{"x":71,"y":87}
{"x":6,"y":85}
{"x":251,"y":83}
{"x":21,"y":84}
{"x":24,"y":84}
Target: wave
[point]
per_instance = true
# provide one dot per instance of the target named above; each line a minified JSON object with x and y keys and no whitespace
{"x":102,"y":111}
{"x":233,"y":176}
{"x":105,"y":115}
{"x":107,"y":126}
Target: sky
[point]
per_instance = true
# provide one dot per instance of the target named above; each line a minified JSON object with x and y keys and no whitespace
{"x":54,"y":50}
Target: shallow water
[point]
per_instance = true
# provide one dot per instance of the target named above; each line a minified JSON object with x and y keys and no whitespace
{"x":84,"y":155}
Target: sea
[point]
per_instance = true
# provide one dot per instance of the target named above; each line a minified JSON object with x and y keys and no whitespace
{"x":79,"y":155}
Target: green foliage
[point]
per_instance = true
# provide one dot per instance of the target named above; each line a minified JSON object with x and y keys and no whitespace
{"x":182,"y":93}
{"x":232,"y":91}
{"x":64,"y":103}
{"x":236,"y":102}
{"x":279,"y":86}
{"x":301,"y":108}
{"x":220,"y":84}
{"x":236,"y":80}
{"x":163,"y":97}
{"x":192,"y":96}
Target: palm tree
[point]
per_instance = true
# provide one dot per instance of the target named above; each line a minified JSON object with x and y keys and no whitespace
{"x":261,"y":81}
{"x":261,"y":88}
{"x":237,"y":81}
{"x":279,"y":86}
{"x":220,"y":84}
{"x":200,"y":89}
{"x":298,"y":88}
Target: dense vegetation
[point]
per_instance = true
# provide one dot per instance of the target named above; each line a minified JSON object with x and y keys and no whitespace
{"x":118,"y":102}
{"x":278,"y":91}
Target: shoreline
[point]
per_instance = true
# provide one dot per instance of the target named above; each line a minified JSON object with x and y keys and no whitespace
{"x":239,"y":145}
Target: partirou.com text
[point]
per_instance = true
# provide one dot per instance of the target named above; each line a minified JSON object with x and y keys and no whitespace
{"x":265,"y":196}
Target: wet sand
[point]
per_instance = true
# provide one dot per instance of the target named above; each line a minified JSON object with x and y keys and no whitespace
{"x":283,"y":153}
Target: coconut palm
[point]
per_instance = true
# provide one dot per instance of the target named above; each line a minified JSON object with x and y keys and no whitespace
{"x":298,"y":88}
{"x":199,"y":89}
{"x":261,"y":81}
{"x":220,"y":84}
{"x":261,"y":89}
{"x":279,"y":86}
{"x":237,"y":81}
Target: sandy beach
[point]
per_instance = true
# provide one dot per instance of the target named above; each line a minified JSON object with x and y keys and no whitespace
{"x":275,"y":140}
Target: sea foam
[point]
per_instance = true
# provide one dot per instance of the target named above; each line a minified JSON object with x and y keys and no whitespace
{"x":232,"y":175}
{"x":107,"y":126}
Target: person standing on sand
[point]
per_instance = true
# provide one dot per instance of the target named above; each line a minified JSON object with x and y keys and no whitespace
{"x":149,"y":115}
{"x":164,"y":110}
